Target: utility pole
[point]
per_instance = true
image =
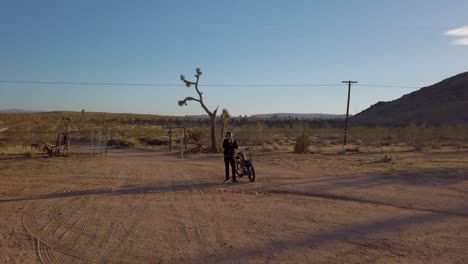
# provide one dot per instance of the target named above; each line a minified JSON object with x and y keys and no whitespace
{"x":347,"y":112}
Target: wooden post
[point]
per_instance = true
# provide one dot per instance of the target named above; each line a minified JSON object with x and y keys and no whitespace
{"x":182,"y":149}
{"x":170,"y":139}
{"x":185,"y":138}
{"x":92,"y":146}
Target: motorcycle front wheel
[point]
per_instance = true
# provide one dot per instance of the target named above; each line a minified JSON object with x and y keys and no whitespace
{"x":251,"y":173}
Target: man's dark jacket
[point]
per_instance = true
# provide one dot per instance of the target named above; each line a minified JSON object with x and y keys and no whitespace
{"x":229,"y":148}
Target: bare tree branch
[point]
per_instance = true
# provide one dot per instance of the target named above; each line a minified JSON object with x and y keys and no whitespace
{"x":184,"y":102}
{"x":212,"y":115}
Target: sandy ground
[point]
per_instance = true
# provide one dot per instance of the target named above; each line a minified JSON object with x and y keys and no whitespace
{"x":152,"y":207}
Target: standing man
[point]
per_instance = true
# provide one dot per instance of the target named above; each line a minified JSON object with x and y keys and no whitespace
{"x":229,"y":145}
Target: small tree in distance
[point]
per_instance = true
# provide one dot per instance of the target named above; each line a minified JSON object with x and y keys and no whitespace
{"x":211,"y":114}
{"x":224,"y":120}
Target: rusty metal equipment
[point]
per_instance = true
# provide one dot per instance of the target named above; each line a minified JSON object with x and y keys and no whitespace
{"x":60,"y":148}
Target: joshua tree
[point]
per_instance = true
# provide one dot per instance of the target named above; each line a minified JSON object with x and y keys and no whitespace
{"x":66,"y":122}
{"x":224,"y":120}
{"x":212,"y":115}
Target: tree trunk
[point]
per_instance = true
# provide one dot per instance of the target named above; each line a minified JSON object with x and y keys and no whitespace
{"x":222,"y":129}
{"x":213,"y":132}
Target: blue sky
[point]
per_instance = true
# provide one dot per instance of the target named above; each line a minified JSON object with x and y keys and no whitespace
{"x":402,"y":43}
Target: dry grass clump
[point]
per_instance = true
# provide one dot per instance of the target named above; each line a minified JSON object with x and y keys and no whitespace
{"x":121,"y":143}
{"x":302,"y":144}
{"x":281,"y":142}
{"x":352,"y":149}
{"x":154,"y":141}
{"x":266,"y":147}
{"x":19,"y":150}
{"x":276,"y":146}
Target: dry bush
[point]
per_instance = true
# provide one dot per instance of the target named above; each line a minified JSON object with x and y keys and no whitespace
{"x":196,"y":135}
{"x":267,"y":147}
{"x":154,"y":141}
{"x":352,"y":149}
{"x":318,"y":143}
{"x":302,"y":144}
{"x":121,"y":143}
{"x":276,"y":146}
{"x":19,"y":150}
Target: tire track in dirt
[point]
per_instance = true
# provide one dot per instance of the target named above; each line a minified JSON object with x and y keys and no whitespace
{"x":330,"y":196}
{"x":268,"y":246}
{"x":44,"y":252}
{"x":220,"y":235}
{"x":73,"y":236}
{"x":57,"y":216}
{"x":176,"y":234}
{"x":37,"y":232}
{"x":121,"y":230}
{"x":180,"y":232}
{"x":353,"y":254}
{"x":70,"y":232}
{"x":201,"y":208}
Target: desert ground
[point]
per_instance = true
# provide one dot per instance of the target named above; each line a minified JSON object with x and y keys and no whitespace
{"x":150,"y":206}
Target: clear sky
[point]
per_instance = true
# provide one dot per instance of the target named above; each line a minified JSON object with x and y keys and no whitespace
{"x":400,"y":42}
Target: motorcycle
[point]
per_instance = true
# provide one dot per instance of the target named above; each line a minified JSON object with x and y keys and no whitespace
{"x":244,"y":165}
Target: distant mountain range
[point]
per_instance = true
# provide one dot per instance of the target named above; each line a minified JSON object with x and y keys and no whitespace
{"x":444,"y":103}
{"x":263,"y":116}
{"x":288,"y":115}
{"x":300,"y":116}
{"x":20,"y":111}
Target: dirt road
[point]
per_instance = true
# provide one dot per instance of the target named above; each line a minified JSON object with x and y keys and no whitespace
{"x":151,"y":207}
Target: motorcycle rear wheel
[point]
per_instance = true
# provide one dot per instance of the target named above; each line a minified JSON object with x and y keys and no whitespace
{"x":251,"y":173}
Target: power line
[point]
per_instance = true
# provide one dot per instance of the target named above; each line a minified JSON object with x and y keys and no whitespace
{"x":92,"y":83}
{"x":207,"y":85}
{"x":389,"y":86}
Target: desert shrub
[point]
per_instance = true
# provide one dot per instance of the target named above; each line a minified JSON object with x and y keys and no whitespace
{"x":157,"y":142}
{"x":318,"y":143}
{"x":267,"y":147}
{"x":352,"y":149}
{"x":121,"y":143}
{"x":421,"y":136}
{"x":302,"y":144}
{"x":154,"y":141}
{"x":276,"y":146}
{"x":196,"y":136}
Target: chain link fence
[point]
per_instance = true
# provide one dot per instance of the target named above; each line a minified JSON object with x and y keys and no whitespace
{"x":416,"y":138}
{"x":92,"y":143}
{"x":89,"y":142}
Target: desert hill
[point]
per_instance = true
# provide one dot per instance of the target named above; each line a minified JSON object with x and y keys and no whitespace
{"x":444,"y":103}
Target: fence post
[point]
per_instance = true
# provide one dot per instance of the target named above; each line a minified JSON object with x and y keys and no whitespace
{"x":182,"y":149}
{"x":28,"y":139}
{"x":103,"y":143}
{"x":263,"y":135}
{"x":92,"y":145}
{"x":170,"y":139}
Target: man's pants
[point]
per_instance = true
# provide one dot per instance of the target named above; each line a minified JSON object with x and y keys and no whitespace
{"x":231,"y":161}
